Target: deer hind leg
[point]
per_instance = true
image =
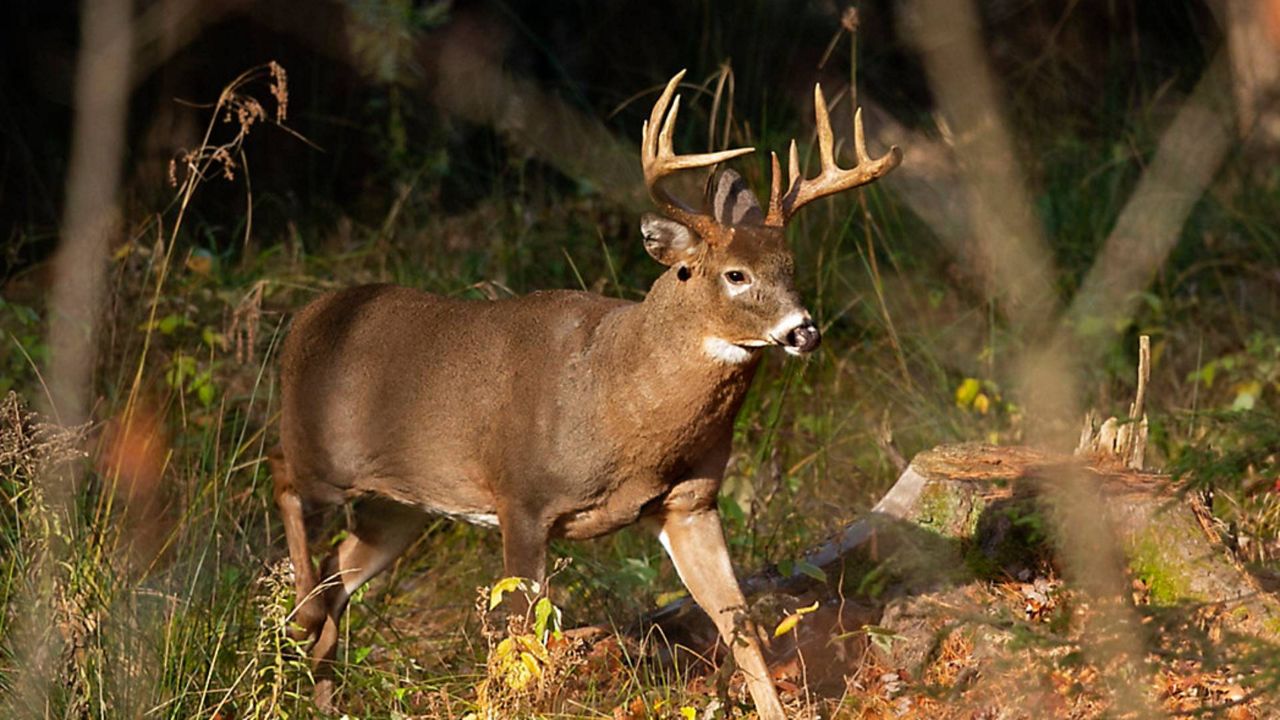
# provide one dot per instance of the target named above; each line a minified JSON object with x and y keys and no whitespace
{"x":383,"y":529}
{"x":309,"y":614}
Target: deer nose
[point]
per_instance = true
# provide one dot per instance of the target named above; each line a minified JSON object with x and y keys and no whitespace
{"x":804,"y":338}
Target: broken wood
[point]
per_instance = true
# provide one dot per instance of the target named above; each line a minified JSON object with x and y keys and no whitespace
{"x":1119,"y":439}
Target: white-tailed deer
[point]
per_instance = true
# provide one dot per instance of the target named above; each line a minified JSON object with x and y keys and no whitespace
{"x":559,"y":414}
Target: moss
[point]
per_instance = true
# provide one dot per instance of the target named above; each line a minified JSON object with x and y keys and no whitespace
{"x":948,"y":511}
{"x":936,"y":507}
{"x":979,"y":564}
{"x":1272,"y":625}
{"x":1168,"y":577}
{"x":975,"y":510}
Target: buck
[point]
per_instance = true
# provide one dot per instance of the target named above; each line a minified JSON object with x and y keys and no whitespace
{"x":561,"y":414}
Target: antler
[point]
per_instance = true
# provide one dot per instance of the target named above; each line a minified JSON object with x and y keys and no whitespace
{"x":832,"y":179}
{"x":658,"y":158}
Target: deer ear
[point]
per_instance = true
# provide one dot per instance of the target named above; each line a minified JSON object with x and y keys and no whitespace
{"x":733,"y":203}
{"x":668,"y":241}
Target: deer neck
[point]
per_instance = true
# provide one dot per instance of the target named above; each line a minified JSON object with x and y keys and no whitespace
{"x":655,"y":367}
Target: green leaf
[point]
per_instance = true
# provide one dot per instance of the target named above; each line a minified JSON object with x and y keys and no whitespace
{"x":206,"y":392}
{"x":541,"y":614}
{"x":811,"y":570}
{"x":881,"y":637}
{"x":641,"y":570}
{"x":873,"y":582}
{"x":168,"y":324}
{"x":1247,"y":394}
{"x":731,"y":511}
{"x":210,"y":337}
{"x":1206,"y":374}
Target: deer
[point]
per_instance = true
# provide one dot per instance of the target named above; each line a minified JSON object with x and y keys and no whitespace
{"x":559,"y":414}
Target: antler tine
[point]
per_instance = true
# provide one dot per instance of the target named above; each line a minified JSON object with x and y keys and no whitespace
{"x":826,"y":145}
{"x":666,"y":147}
{"x":658,"y":158}
{"x":832,"y":178}
{"x":775,"y":184}
{"x":649,"y":144}
{"x":860,"y":140}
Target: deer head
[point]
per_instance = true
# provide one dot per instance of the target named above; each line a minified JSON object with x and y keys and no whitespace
{"x":732,"y":258}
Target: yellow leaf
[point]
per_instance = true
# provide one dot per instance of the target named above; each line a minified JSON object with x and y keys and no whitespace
{"x":503,"y":650}
{"x":967,"y":391}
{"x":666,"y":598}
{"x":531,"y":664}
{"x":982,"y":403}
{"x":787,"y":625}
{"x":534,"y":647}
{"x":789,"y":622}
{"x":518,"y":676}
{"x":688,"y":713}
{"x":502,"y":587}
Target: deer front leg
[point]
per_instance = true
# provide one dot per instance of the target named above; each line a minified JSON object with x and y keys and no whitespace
{"x":524,"y":551}
{"x":694,"y":540}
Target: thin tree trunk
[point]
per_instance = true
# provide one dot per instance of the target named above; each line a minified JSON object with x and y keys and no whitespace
{"x":90,"y":216}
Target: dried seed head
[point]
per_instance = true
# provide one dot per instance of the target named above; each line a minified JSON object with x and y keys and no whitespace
{"x":279,"y":90}
{"x":849,"y":20}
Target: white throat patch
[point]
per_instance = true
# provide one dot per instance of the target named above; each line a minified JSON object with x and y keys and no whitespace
{"x":724,"y":351}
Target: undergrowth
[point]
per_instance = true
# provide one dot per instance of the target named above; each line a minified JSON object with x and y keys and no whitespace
{"x":172,"y":599}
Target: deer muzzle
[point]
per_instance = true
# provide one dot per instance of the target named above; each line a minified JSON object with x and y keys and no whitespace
{"x":803,"y":339}
{"x":796,"y":333}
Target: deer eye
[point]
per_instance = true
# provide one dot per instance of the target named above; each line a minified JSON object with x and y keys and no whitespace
{"x":736,"y":277}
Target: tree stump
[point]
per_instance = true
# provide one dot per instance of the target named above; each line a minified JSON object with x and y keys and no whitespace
{"x":989,"y":499}
{"x":964,"y":523}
